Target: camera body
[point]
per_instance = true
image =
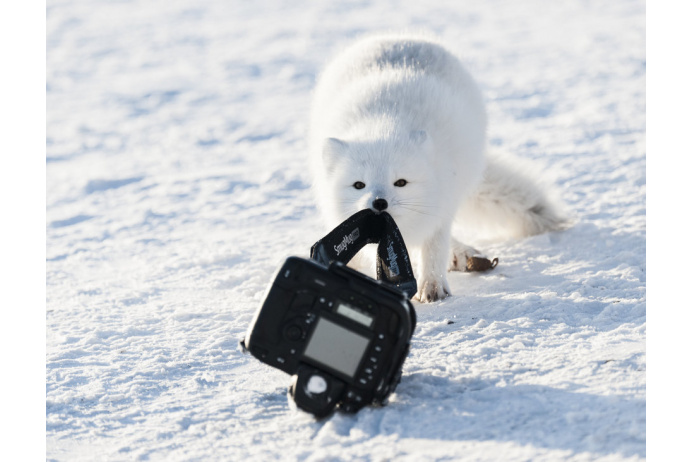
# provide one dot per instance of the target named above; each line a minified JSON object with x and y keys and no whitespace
{"x":341,"y":334}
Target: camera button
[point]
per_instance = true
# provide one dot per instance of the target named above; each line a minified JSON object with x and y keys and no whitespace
{"x":293,"y":333}
{"x":316,"y":385}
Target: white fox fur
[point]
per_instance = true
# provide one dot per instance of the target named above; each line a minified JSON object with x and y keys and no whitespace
{"x":401,"y":107}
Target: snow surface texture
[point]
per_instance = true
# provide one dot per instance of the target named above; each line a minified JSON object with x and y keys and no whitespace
{"x":177,"y":184}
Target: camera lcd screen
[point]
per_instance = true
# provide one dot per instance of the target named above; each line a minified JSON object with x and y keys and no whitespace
{"x":354,"y":314}
{"x":336,"y":347}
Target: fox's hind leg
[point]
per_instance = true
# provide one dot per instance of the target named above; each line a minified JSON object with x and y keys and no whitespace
{"x":459,"y":254}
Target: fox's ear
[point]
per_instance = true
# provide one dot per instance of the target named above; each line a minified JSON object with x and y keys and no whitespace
{"x":333,"y":149}
{"x":418,"y":136}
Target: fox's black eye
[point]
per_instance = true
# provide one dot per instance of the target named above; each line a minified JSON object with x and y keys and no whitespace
{"x":400,"y":183}
{"x":359,"y":185}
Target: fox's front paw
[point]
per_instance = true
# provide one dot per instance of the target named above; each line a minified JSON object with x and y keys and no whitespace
{"x":431,"y":290}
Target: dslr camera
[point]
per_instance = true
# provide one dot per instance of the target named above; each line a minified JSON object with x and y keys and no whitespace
{"x":342,"y":335}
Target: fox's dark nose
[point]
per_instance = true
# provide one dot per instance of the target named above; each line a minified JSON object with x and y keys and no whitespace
{"x":380,"y":204}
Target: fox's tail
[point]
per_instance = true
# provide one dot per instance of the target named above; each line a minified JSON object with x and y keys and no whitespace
{"x":510,"y":202}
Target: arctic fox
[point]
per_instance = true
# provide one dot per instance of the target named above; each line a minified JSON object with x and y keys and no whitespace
{"x":398,"y":125}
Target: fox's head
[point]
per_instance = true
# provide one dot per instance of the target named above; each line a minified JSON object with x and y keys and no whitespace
{"x":389,"y":174}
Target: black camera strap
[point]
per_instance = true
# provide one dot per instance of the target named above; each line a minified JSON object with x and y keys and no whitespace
{"x":367,"y":227}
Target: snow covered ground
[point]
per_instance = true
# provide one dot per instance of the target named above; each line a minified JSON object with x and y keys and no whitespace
{"x":177,"y":183}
